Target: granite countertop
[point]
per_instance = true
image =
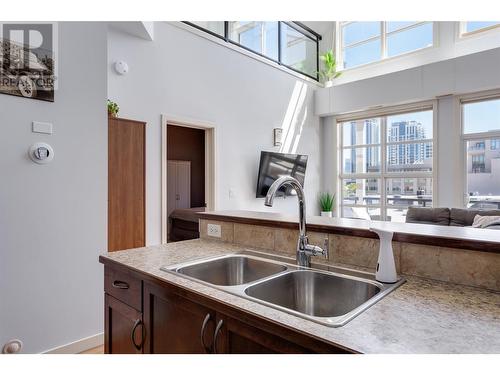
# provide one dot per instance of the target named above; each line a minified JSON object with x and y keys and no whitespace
{"x":421,"y":316}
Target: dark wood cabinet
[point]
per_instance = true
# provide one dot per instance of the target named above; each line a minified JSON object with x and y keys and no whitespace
{"x":175,"y":324}
{"x":124,"y":328}
{"x":235,"y":337}
{"x":174,"y":320}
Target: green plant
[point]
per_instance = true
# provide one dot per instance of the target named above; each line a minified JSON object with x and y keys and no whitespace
{"x":330,"y":66}
{"x":113,"y":108}
{"x":350,"y":188}
{"x":326,"y":201}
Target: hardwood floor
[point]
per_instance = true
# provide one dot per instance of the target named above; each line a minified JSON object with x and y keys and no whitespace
{"x":96,"y":350}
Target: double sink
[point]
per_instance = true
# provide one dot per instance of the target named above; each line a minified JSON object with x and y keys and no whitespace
{"x":328,"y":295}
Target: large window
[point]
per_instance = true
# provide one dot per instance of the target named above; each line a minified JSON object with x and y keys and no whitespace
{"x":481,"y":136}
{"x":472,"y":27}
{"x":386,"y":164}
{"x":362,"y":43}
{"x":290,"y":44}
{"x":260,"y":37}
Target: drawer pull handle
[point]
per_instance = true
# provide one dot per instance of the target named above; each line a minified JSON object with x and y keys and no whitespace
{"x":120,"y":284}
{"x":216,"y":334}
{"x":202,"y":334}
{"x":137,"y":323}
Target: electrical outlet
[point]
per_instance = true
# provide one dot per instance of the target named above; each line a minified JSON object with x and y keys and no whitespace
{"x":213,"y":230}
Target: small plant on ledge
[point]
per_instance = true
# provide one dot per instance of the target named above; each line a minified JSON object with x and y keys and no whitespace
{"x":329,"y":73}
{"x":113,"y":109}
{"x":326,"y":203}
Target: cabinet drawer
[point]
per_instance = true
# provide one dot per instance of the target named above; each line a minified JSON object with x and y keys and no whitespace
{"x":124,"y":287}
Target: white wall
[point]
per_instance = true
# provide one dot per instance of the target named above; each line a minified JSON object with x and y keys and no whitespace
{"x":188,"y":76}
{"x":53,"y":217}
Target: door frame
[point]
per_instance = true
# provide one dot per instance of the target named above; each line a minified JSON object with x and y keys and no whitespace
{"x":210,"y":163}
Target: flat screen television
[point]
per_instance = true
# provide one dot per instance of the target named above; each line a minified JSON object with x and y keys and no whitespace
{"x":273,"y":165}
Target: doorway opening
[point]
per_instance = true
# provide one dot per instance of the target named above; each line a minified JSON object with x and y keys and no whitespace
{"x":188,"y":176}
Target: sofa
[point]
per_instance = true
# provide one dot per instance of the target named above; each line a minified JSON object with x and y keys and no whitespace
{"x":456,"y":217}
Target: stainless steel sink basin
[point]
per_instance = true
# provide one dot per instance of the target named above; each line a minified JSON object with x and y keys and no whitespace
{"x":314,"y":293}
{"x":324,"y":294}
{"x":231,"y":270}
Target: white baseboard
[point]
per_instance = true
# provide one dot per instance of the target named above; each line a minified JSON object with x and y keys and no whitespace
{"x":79,"y":345}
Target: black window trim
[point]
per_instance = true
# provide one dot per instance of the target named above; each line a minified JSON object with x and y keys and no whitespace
{"x":297,"y":26}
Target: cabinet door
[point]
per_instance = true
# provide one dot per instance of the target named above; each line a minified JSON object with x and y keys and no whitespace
{"x":175,"y":324}
{"x":124,"y":328}
{"x":126,"y":184}
{"x":233,"y":336}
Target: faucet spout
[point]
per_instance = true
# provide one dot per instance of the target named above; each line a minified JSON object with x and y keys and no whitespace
{"x":304,"y":249}
{"x":292,"y":182}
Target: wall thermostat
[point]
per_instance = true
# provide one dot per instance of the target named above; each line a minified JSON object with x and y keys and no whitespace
{"x":41,"y":153}
{"x":121,"y":67}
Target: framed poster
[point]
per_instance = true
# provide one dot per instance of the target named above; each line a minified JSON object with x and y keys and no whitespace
{"x":27,"y":60}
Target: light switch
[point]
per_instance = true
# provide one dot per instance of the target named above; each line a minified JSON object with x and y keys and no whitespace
{"x":42,"y":127}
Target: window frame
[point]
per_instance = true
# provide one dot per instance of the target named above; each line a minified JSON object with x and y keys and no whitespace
{"x":383,"y":175}
{"x":463,"y":33}
{"x":297,"y":26}
{"x":383,"y":42}
{"x":464,"y":138}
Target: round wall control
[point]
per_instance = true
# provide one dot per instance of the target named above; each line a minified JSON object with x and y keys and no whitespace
{"x":41,"y":153}
{"x":121,"y":67}
{"x":12,"y":347}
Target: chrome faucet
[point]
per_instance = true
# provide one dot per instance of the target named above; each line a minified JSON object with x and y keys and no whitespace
{"x":304,"y":249}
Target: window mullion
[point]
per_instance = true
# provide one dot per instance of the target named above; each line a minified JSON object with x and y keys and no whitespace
{"x":383,"y":40}
{"x":262,"y":38}
{"x":279,"y":42}
{"x":383,"y":167}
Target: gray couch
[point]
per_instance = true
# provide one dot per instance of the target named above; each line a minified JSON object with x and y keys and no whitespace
{"x":457,"y":217}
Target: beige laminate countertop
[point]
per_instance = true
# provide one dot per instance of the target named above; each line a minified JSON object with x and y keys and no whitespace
{"x":422,"y":316}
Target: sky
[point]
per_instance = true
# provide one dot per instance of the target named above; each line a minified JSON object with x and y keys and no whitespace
{"x":481,"y":116}
{"x":397,"y":43}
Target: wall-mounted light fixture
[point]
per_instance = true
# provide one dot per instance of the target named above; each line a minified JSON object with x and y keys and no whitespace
{"x":277,"y":132}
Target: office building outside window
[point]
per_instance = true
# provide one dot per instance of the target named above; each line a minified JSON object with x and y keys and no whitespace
{"x":481,"y":137}
{"x":386,"y":165}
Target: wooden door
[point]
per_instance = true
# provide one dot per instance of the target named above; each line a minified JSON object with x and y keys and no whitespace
{"x":175,"y":325}
{"x":124,"y":329}
{"x":236,"y":337}
{"x":126,"y":184}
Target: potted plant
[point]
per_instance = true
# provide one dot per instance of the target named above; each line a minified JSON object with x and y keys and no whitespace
{"x":113,"y":108}
{"x":326,"y":202}
{"x":329,"y":73}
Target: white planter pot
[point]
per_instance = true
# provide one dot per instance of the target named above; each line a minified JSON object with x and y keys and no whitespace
{"x":328,"y":84}
{"x":326,"y":213}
